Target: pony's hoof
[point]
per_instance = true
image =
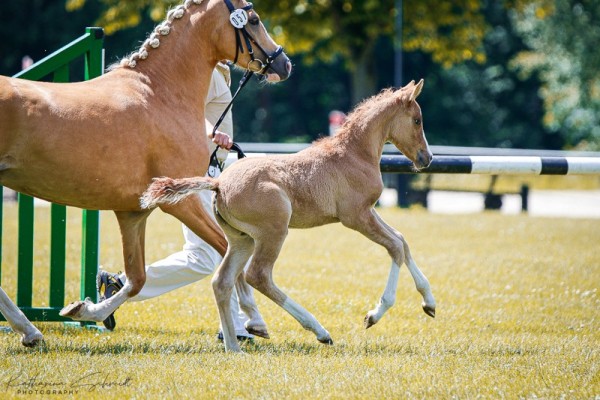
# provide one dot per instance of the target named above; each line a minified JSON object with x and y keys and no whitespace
{"x":73,"y":310}
{"x":33,"y":340}
{"x":258,"y":332}
{"x":429,"y":311}
{"x":326,"y":340}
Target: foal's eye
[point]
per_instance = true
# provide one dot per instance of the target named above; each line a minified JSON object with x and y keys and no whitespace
{"x":417,"y":121}
{"x":254,"y":21}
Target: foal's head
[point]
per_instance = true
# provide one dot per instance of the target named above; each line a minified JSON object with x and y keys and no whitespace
{"x":406,"y":125}
{"x":247,"y":42}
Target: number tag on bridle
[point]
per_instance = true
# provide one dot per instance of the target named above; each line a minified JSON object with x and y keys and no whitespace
{"x":238,"y":18}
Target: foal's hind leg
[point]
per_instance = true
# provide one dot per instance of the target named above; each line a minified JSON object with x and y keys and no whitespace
{"x":229,"y":272}
{"x":372,"y":226}
{"x":133,"y":229}
{"x":260,"y":276}
{"x":30,"y":335}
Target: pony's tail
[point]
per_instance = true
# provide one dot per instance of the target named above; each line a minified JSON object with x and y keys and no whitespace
{"x":170,"y":191}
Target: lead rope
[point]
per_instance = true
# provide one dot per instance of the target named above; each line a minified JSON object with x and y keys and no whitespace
{"x":213,"y":158}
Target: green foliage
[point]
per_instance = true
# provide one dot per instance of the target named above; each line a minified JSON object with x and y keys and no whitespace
{"x":567,"y":64}
{"x":324,"y":29}
{"x":491,"y":80}
{"x":36,"y":28}
{"x":119,"y":15}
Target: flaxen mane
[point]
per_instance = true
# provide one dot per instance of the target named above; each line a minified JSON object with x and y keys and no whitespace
{"x":153,"y":40}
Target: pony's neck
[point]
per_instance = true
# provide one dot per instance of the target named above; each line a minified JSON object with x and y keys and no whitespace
{"x":178,"y":56}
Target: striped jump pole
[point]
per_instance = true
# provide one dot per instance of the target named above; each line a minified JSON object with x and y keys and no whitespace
{"x":496,"y":165}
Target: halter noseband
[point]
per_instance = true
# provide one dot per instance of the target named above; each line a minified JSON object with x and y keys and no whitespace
{"x":239,"y":18}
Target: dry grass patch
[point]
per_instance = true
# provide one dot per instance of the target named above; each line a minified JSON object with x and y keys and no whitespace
{"x":517,"y":317}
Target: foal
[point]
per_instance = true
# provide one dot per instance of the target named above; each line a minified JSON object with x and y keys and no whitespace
{"x":335,"y":180}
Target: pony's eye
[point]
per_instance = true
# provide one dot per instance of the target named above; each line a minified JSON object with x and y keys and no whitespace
{"x":417,"y":121}
{"x":254,"y":21}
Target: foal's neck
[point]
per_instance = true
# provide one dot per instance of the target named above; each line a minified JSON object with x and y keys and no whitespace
{"x":364,"y":138}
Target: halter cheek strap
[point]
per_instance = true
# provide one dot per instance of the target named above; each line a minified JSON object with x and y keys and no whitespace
{"x":239,"y":18}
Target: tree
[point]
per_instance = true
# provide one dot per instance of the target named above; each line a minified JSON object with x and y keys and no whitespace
{"x":482,"y":87}
{"x":451,"y":32}
{"x":29,"y":28}
{"x":563,"y":39}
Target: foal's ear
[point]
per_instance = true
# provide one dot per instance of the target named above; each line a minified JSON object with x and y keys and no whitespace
{"x":416,"y":90}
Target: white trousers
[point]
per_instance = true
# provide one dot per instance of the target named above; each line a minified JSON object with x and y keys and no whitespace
{"x":196,"y":261}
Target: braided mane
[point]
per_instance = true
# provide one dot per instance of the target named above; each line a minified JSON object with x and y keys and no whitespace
{"x":153,"y":41}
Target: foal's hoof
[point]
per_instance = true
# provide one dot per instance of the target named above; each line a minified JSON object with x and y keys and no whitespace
{"x":429,"y":311}
{"x":73,"y":310}
{"x":326,"y":340}
{"x":258,"y":332}
{"x":369,"y":321}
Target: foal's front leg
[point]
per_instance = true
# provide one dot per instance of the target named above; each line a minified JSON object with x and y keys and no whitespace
{"x":133,"y":229}
{"x":372,"y":226}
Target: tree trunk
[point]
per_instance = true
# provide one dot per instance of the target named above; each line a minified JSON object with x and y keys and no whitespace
{"x":364,"y":82}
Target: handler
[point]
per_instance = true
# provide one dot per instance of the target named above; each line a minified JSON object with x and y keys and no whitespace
{"x":197,"y":260}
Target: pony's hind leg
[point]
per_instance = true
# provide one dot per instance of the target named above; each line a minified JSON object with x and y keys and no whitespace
{"x":30,"y":335}
{"x":192,"y":214}
{"x":260,"y":276}
{"x":133,"y":229}
{"x":373,"y":227}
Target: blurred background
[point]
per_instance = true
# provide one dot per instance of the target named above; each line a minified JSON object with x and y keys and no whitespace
{"x":511,"y":74}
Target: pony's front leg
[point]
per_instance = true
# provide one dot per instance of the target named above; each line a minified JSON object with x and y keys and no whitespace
{"x":30,"y":335}
{"x":133,"y":229}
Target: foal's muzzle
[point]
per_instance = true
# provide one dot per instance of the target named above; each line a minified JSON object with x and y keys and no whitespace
{"x":424,"y":158}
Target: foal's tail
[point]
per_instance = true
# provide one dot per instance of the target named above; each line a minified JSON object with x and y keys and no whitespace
{"x":170,"y":191}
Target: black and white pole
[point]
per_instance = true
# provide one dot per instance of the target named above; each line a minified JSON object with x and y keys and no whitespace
{"x":496,"y":165}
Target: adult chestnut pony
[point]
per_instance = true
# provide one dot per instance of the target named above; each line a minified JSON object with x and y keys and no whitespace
{"x":335,"y":180}
{"x":98,"y":144}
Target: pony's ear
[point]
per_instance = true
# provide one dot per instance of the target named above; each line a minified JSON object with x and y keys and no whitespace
{"x":416,"y":90}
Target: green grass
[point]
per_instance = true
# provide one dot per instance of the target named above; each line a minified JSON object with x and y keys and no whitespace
{"x":517,"y":317}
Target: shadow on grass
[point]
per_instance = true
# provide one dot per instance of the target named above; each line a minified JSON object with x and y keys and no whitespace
{"x":164,"y":341}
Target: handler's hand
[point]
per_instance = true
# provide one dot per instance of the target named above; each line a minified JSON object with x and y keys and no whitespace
{"x":222,"y":140}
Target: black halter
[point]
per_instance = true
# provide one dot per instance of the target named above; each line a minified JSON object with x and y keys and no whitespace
{"x":239,"y":19}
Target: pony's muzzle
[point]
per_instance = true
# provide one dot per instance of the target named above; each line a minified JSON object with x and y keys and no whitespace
{"x":282,"y":66}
